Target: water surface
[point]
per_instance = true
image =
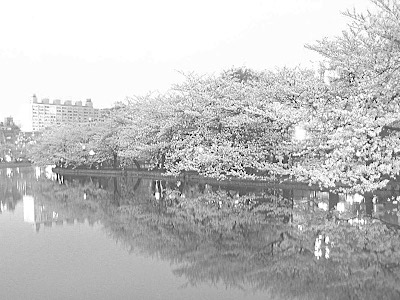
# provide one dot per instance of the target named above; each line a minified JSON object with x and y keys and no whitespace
{"x":131,"y":238}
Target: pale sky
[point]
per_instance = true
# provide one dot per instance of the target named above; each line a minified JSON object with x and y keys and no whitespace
{"x":108,"y":50}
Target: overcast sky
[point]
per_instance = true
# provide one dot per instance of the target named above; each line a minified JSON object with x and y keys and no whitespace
{"x":108,"y":50}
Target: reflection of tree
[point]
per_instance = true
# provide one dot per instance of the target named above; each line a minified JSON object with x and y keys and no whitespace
{"x":238,"y":246}
{"x":12,"y":183}
{"x":256,"y":239}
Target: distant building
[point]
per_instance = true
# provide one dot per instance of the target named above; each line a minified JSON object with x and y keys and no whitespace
{"x":46,"y":114}
{"x":9,"y":133}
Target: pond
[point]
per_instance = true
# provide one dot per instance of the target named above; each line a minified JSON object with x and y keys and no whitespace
{"x":77,"y":237}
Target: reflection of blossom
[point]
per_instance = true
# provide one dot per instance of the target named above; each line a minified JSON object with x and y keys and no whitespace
{"x":37,"y":172}
{"x":327,"y":251}
{"x":355,"y":221}
{"x":3,"y":206}
{"x":340,"y":207}
{"x":323,"y":206}
{"x":318,"y":247}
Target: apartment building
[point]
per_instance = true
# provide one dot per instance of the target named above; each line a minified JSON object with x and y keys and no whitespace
{"x":47,"y":114}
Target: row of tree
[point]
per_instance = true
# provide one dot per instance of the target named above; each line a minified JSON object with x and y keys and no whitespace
{"x":242,"y":122}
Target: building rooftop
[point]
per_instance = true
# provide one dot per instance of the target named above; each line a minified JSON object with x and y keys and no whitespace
{"x":88,"y":102}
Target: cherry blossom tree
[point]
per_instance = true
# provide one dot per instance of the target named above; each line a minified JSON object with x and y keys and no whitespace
{"x":361,"y":102}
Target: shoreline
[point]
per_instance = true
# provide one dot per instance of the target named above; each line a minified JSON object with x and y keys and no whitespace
{"x":15,"y":164}
{"x":193,"y":177}
{"x":287,"y":184}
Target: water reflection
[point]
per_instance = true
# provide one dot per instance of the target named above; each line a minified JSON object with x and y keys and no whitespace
{"x":322,"y":247}
{"x":12,"y":187}
{"x":294,"y":242}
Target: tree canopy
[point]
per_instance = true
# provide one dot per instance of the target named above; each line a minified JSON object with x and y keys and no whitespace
{"x":243,"y":123}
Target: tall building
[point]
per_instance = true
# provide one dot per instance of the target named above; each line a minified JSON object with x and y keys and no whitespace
{"x":46,"y":114}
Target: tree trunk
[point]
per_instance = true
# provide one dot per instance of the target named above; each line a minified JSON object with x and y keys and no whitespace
{"x":115,"y":160}
{"x":333,"y":200}
{"x":161,"y":164}
{"x":137,"y":164}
